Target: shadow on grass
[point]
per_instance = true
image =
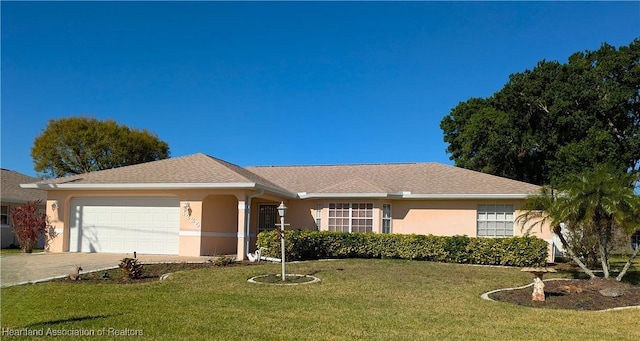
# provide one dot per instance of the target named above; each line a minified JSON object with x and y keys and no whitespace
{"x":71,"y":319}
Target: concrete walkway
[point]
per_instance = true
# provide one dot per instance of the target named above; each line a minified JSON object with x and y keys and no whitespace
{"x":37,"y":267}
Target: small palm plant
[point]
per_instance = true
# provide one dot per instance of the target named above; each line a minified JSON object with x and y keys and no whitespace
{"x":594,"y":203}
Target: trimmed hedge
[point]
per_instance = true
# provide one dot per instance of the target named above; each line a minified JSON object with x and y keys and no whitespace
{"x":309,"y":244}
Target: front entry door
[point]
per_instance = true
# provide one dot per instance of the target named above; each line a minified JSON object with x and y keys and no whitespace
{"x":267,"y":217}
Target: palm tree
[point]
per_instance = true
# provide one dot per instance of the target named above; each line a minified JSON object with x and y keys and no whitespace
{"x":595,"y":203}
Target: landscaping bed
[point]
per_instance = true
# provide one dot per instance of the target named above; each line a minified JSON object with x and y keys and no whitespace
{"x":576,"y":294}
{"x":150,"y":272}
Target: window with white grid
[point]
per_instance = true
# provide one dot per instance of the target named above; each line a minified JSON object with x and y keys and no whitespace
{"x":318,"y":216}
{"x":495,"y":220}
{"x":351,"y":217}
{"x":386,"y":218}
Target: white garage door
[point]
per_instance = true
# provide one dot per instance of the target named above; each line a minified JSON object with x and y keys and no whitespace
{"x":125,"y":224}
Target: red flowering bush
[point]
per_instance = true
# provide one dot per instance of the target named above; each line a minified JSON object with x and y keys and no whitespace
{"x":28,"y":224}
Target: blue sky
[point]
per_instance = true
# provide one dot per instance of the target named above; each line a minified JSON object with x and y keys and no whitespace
{"x":280,"y":83}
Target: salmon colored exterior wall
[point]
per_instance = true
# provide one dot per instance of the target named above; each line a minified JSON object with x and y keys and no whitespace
{"x":219,"y":225}
{"x":215,"y":224}
{"x":449,"y":217}
{"x":213,"y":232}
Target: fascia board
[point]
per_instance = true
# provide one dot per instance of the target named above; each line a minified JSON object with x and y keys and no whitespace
{"x":229,"y":185}
{"x":342,"y":195}
{"x":409,"y":196}
{"x":464,"y":196}
{"x":155,"y":186}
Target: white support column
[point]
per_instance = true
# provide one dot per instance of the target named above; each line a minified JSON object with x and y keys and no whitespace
{"x":242,"y":253}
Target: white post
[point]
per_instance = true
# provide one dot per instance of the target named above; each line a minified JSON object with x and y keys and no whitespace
{"x":282,"y":209}
{"x":282,"y":244}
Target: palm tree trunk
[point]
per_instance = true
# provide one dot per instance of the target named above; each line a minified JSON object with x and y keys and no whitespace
{"x":565,"y":245}
{"x":604,"y":259}
{"x":628,"y":264}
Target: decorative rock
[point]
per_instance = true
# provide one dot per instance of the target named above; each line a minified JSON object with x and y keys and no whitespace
{"x":74,"y":275}
{"x":612,"y":292}
{"x":570,"y":289}
{"x":165,"y":276}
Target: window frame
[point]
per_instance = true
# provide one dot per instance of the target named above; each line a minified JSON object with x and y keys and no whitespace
{"x":387,"y":217}
{"x":362,"y":215}
{"x":318,"y":215}
{"x":5,"y":215}
{"x":495,"y":221}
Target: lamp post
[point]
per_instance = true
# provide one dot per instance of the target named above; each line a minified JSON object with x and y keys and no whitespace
{"x":282,"y":209}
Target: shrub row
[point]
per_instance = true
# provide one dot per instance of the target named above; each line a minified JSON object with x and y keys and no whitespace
{"x":309,"y":244}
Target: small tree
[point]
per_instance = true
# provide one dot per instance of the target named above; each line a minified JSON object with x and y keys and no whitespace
{"x":595,"y":205}
{"x":29,"y":224}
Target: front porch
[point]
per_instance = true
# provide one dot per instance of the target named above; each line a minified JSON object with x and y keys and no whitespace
{"x":225,"y":223}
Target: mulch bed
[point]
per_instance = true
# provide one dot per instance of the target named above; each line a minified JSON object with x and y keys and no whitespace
{"x":150,"y":273}
{"x":575,"y":294}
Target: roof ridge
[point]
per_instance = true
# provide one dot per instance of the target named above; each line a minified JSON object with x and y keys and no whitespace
{"x":240,"y":170}
{"x":346,"y":164}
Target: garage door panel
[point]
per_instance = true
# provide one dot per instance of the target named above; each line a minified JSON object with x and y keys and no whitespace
{"x":124,"y":225}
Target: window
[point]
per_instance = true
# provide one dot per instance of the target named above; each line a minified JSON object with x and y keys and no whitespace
{"x":318,"y":216}
{"x":267,"y":217}
{"x":495,"y":220}
{"x":4,"y":215}
{"x":386,"y":218}
{"x":635,"y":239}
{"x":351,"y":217}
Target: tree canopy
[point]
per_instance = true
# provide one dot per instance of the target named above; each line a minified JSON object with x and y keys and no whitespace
{"x":554,"y":120}
{"x":77,"y":145}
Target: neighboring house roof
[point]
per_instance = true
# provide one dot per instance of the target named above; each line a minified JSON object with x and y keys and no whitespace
{"x":10,"y":189}
{"x":395,"y":180}
{"x":192,"y":171}
{"x":405,"y":180}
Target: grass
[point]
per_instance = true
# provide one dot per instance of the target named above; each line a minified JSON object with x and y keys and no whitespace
{"x":14,"y":251}
{"x":356,"y":299}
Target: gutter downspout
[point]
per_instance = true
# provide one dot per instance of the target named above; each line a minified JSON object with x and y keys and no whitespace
{"x":247,"y":220}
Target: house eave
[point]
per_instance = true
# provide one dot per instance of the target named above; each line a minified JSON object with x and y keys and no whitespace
{"x":304,"y":195}
{"x":464,"y":196}
{"x":157,"y":186}
{"x":409,"y":196}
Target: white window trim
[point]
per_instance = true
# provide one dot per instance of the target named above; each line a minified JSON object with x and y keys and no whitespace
{"x":484,"y":208}
{"x":389,"y":219}
{"x":318,"y":217}
{"x":351,"y":217}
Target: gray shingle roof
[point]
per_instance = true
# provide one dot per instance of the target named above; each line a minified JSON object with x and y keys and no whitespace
{"x":10,"y":189}
{"x":406,"y":179}
{"x":417,"y":178}
{"x":191,"y":169}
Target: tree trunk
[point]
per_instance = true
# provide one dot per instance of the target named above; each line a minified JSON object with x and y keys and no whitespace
{"x":604,"y":239}
{"x":565,"y":245}
{"x":626,"y":266}
{"x":27,"y":248}
{"x":604,"y":257}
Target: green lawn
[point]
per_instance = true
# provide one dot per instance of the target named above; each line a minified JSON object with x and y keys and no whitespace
{"x":357,"y":299}
{"x":15,"y":251}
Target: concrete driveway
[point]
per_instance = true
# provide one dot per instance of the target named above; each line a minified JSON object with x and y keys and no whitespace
{"x":37,"y":267}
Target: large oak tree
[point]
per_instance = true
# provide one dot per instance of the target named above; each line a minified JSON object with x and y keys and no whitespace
{"x":77,"y":145}
{"x":554,"y":120}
